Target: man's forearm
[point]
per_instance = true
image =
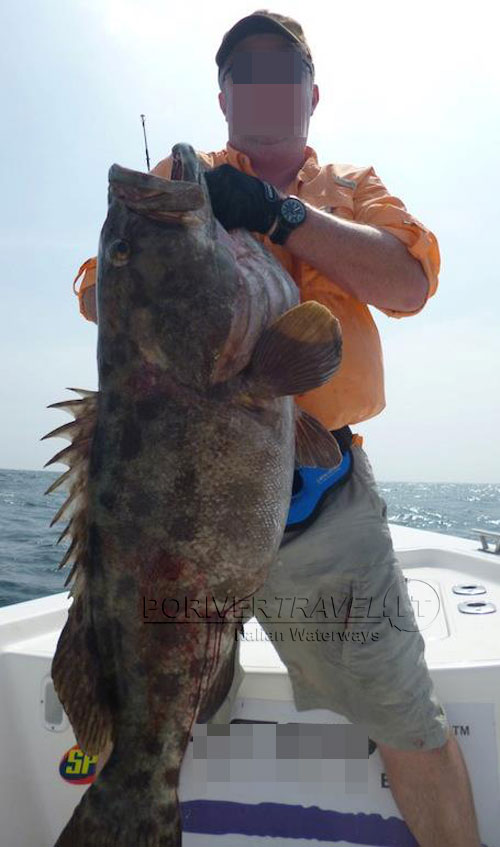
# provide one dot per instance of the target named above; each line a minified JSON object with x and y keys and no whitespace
{"x":367,"y":262}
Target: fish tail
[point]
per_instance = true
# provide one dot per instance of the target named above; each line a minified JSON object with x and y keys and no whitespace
{"x":126,"y":816}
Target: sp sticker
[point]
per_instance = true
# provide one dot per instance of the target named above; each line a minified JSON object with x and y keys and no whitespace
{"x":78,"y":768}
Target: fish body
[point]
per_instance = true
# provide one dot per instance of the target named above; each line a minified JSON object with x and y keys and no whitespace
{"x":180,"y":474}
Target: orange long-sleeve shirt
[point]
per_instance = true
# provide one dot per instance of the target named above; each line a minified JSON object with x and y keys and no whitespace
{"x":356,"y":392}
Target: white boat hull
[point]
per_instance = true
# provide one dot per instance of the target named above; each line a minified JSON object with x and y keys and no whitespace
{"x":266,"y":799}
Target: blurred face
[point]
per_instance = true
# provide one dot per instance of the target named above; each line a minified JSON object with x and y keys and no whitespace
{"x":267,"y":93}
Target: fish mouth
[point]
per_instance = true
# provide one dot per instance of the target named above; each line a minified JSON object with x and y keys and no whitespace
{"x":186,"y":165}
{"x":147,"y":194}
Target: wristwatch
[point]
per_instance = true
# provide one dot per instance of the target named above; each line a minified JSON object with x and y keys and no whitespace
{"x":292,"y":213}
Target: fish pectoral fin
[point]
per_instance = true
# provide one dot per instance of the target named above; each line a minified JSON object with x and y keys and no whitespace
{"x":315,"y":446}
{"x":301,"y":350}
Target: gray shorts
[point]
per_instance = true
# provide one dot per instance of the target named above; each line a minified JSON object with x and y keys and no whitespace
{"x":360,"y":653}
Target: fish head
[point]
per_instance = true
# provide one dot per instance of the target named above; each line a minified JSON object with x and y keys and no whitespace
{"x":163,"y":303}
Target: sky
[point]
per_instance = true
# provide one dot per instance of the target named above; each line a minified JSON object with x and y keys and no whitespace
{"x":410,"y":89}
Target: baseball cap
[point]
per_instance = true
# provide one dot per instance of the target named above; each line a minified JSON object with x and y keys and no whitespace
{"x":264,"y":21}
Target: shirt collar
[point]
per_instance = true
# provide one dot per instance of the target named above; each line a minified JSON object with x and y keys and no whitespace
{"x":307,"y":172}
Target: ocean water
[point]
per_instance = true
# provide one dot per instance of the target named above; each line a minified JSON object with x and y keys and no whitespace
{"x":29,"y":555}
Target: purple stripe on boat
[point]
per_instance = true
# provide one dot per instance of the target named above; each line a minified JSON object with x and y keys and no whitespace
{"x":280,"y":820}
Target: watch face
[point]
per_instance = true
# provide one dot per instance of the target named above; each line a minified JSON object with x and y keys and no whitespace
{"x":293,"y":210}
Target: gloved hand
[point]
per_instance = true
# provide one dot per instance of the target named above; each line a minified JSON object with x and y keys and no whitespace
{"x":241,"y":200}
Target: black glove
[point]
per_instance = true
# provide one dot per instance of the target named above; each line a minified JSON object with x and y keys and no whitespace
{"x":240,"y":200}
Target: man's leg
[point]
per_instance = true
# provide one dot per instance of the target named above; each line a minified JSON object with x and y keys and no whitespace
{"x":432,"y":791}
{"x":379,"y":677}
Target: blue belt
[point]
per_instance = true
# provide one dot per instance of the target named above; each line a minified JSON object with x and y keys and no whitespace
{"x":310,"y":485}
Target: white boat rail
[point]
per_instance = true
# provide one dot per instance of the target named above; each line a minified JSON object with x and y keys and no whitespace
{"x":487,"y":537}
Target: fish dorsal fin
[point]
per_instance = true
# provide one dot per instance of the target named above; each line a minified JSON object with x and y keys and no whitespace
{"x":75,"y":668}
{"x":75,"y":480}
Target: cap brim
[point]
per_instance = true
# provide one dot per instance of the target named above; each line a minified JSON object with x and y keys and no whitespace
{"x":252,"y":25}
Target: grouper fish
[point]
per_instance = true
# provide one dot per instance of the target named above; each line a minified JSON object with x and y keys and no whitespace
{"x":180,"y":471}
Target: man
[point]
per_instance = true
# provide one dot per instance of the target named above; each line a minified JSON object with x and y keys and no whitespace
{"x":347,"y":243}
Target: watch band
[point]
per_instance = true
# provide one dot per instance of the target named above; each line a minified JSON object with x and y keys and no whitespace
{"x":287,"y":220}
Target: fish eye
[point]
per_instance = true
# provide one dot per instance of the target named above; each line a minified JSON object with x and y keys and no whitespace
{"x":119,"y":252}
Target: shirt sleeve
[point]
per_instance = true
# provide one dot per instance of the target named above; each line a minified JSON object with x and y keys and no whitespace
{"x":86,"y":273}
{"x":373,"y":204}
